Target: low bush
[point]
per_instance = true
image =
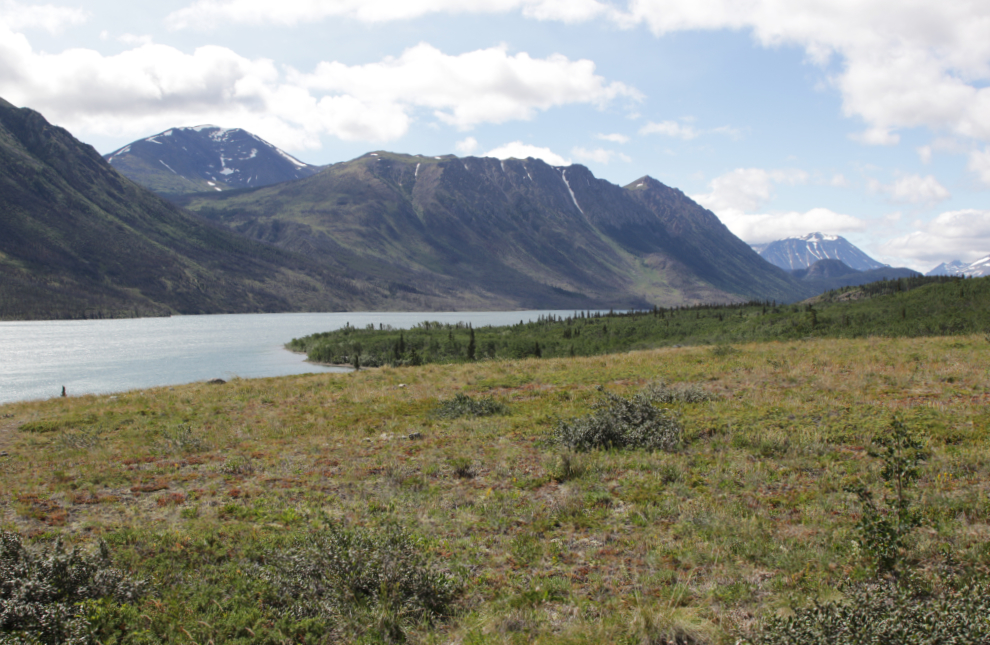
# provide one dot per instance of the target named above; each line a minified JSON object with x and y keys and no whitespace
{"x":360,"y":580}
{"x":886,"y":612}
{"x":463,"y":405}
{"x":44,"y":598}
{"x":619,"y":422}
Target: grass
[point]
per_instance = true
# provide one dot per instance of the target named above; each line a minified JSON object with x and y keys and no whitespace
{"x":194,"y":487}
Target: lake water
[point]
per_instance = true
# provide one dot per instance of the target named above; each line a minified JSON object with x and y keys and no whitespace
{"x":102,"y":356}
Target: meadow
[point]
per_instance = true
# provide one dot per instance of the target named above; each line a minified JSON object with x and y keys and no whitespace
{"x":431,"y":504}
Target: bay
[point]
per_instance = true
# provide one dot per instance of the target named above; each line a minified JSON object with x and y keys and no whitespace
{"x":38,"y":358}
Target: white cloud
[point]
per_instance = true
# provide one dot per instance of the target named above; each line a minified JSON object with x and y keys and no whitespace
{"x":466,"y":146}
{"x":598,"y":155}
{"x":767,"y":227}
{"x":979,"y":163}
{"x":953,"y":235}
{"x":747,"y":189}
{"x":685,"y":131}
{"x":16,"y":16}
{"x":738,"y":197}
{"x":205,"y":14}
{"x":839,"y":181}
{"x":614,"y":138}
{"x":483,"y":86}
{"x":925,"y":154}
{"x":520,"y":150}
{"x":670,"y":129}
{"x":877,"y":137}
{"x":153,"y":87}
{"x":912,"y":189}
{"x":904,"y":65}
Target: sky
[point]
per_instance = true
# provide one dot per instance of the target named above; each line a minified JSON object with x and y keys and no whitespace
{"x":868,"y":119}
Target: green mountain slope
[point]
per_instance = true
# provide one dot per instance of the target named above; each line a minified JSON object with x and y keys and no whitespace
{"x":77,"y":239}
{"x":517,"y":230}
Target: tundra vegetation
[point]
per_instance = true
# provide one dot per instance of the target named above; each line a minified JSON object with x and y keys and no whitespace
{"x":813,"y":491}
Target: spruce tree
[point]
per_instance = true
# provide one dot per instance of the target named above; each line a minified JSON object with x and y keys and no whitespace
{"x":471,"y":346}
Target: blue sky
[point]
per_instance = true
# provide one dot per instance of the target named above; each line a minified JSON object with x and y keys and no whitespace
{"x":869,"y":118}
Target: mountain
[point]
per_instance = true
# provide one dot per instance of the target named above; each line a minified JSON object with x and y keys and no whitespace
{"x":77,"y":239}
{"x":979,"y":269}
{"x":826,"y":275}
{"x":803,"y":251}
{"x":206,"y":158}
{"x":514,"y":230}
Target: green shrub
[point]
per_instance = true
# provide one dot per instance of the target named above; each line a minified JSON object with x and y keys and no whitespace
{"x":44,"y":598}
{"x":361,"y":580}
{"x":618,"y":422}
{"x":886,"y":522}
{"x":885,"y":612}
{"x":463,"y":405}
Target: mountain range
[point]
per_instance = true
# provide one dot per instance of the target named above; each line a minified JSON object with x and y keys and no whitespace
{"x":517,"y":229}
{"x":247,"y":227}
{"x":800,"y":252}
{"x":205,"y":158}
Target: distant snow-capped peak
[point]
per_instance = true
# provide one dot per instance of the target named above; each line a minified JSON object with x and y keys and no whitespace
{"x":978,"y":269}
{"x":801,"y":251}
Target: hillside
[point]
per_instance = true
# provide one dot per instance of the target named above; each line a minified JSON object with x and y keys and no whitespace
{"x":205,"y":158}
{"x":826,"y":275}
{"x":77,"y":239}
{"x":518,"y":230}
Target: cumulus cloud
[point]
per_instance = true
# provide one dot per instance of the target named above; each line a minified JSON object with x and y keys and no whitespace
{"x":483,"y":86}
{"x":598,"y":155}
{"x":757,"y":228}
{"x":913,"y":189}
{"x":614,"y":138}
{"x":520,"y":150}
{"x":904,"y":65}
{"x":154,"y":86}
{"x":953,"y":235}
{"x":738,"y":197}
{"x":747,"y":189}
{"x":205,"y":14}
{"x":466,"y":146}
{"x":16,"y":16}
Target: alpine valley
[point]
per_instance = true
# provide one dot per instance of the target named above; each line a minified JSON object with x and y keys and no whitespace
{"x":385,"y":231}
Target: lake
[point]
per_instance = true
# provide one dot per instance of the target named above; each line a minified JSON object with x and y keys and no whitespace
{"x":37,"y":358}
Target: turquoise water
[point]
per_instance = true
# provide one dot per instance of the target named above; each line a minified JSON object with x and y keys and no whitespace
{"x":37,"y":358}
